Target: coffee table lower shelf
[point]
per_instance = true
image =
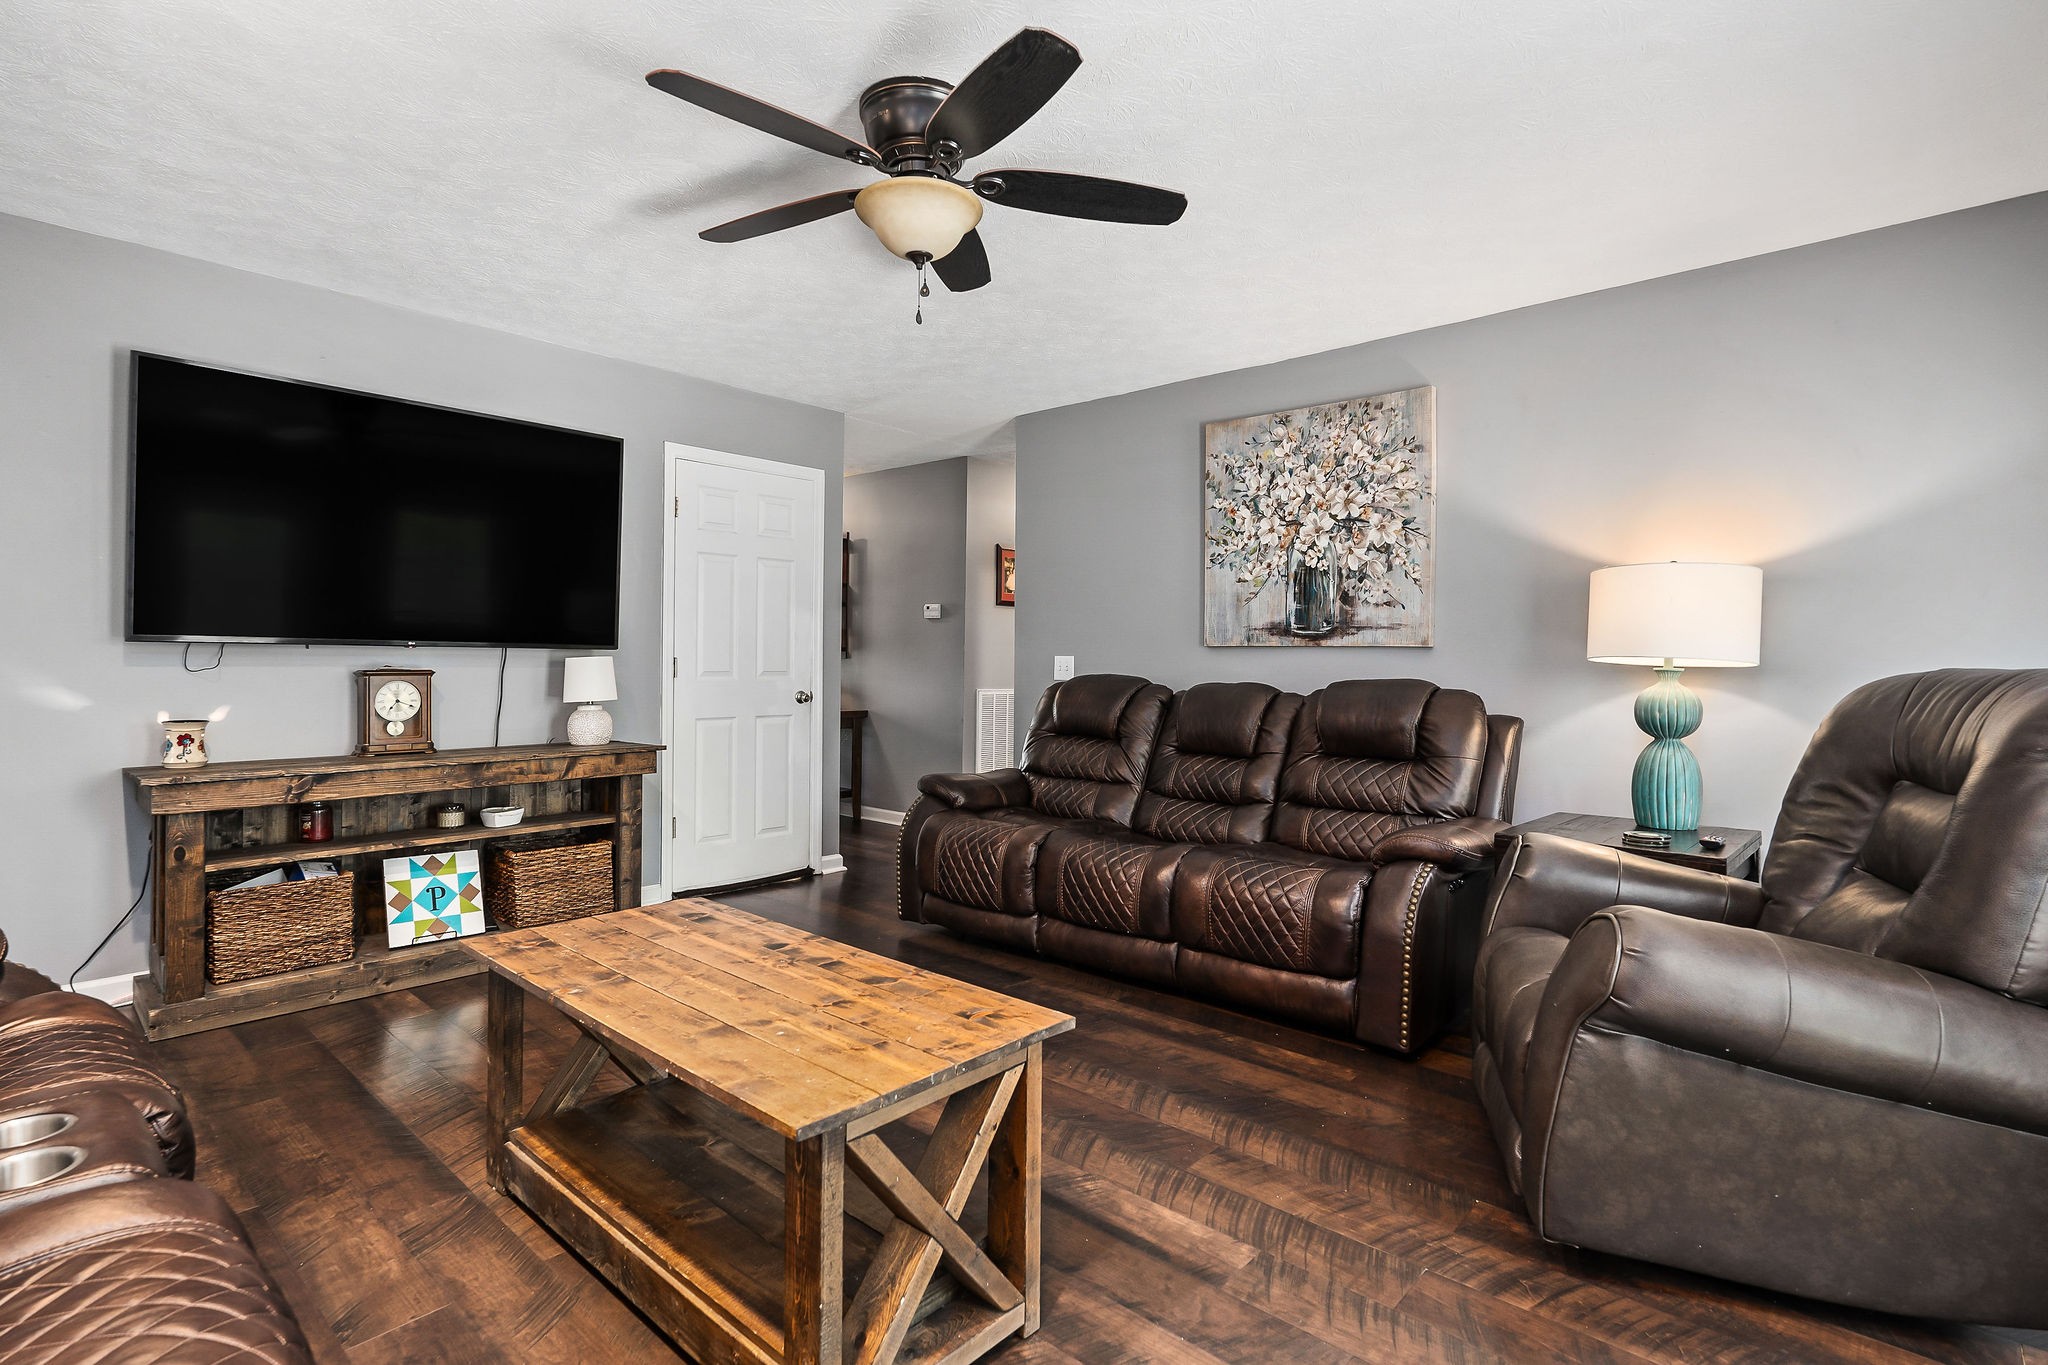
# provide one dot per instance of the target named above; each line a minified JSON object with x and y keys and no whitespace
{"x":682,"y":1213}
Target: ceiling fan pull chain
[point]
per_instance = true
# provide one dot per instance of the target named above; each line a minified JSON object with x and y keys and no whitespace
{"x":924,"y":290}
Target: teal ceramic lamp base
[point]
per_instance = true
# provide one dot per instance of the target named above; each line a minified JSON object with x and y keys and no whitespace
{"x":1666,"y":786}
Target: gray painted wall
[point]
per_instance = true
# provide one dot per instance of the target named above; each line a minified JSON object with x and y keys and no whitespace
{"x":1866,"y":418}
{"x":80,"y":703}
{"x":908,"y":525}
{"x":991,"y":630}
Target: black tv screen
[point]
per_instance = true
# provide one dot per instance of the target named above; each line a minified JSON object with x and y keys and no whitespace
{"x":269,"y":510}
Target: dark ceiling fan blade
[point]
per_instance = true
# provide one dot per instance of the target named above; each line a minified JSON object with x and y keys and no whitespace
{"x":781,"y":216}
{"x":1011,"y":84}
{"x":761,"y":114}
{"x":966,"y":267}
{"x":1081,"y":196}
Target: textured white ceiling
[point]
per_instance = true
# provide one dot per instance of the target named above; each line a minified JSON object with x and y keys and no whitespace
{"x":1354,"y":169}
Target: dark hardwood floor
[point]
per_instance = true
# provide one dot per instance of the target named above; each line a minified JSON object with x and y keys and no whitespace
{"x":1217,"y":1188}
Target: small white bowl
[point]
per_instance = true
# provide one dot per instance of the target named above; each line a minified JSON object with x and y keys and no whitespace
{"x":501,"y":817}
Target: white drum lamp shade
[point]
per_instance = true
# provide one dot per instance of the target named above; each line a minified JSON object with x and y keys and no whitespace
{"x":1686,"y":615}
{"x":587,"y":680}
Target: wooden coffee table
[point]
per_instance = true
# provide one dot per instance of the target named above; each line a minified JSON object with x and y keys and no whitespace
{"x":764,"y":1061}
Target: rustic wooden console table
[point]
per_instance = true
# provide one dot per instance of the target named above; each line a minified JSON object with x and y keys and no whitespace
{"x":238,"y":816}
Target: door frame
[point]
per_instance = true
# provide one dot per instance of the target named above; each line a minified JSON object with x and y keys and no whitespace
{"x":671,"y":452}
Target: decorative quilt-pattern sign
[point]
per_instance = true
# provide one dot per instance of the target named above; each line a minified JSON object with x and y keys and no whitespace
{"x":433,"y":896}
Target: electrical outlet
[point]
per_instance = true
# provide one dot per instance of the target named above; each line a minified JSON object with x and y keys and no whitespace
{"x":931,"y":611}
{"x":1062,"y":667}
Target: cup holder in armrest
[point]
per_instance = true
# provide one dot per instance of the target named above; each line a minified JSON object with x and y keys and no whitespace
{"x":94,"y":1139}
{"x":37,"y":1166}
{"x":32,"y":1128}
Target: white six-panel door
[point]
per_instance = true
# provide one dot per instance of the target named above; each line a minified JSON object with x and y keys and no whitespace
{"x":745,"y":673}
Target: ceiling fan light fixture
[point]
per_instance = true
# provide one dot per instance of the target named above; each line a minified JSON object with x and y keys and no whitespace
{"x":918,"y":214}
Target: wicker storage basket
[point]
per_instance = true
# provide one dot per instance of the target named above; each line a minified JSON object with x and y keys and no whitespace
{"x":262,"y":930}
{"x":528,"y":886}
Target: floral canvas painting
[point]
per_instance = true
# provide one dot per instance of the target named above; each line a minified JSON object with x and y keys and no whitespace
{"x":1319,"y":524}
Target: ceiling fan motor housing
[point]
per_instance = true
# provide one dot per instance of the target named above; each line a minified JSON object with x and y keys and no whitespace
{"x":895,"y":112}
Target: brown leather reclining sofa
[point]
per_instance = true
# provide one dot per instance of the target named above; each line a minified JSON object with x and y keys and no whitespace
{"x":107,"y":1250}
{"x":1834,"y":1083}
{"x":1320,"y":859}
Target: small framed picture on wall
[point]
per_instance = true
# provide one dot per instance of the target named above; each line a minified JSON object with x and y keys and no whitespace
{"x":1006,"y":576}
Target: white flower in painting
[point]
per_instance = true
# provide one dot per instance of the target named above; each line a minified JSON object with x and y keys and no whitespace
{"x":1375,"y":585}
{"x":1382,"y":526}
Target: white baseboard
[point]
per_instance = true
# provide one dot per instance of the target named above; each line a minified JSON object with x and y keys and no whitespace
{"x":655,"y":894}
{"x":830,"y":864}
{"x":886,"y":817}
{"x":115,"y":990}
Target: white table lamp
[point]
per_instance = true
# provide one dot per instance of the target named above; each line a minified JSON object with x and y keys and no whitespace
{"x":587,"y":680}
{"x":1672,"y":617}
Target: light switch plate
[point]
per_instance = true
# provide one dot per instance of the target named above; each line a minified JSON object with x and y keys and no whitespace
{"x":931,"y":611}
{"x":1062,"y":667}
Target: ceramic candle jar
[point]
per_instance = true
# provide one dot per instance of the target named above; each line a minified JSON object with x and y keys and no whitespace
{"x":184,"y":743}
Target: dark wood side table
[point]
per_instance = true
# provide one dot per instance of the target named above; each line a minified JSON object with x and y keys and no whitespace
{"x":854,"y":720}
{"x":1738,"y":857}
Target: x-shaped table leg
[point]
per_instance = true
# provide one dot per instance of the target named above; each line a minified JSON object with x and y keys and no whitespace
{"x":928,"y":1204}
{"x":578,"y":1070}
{"x":570,"y":1080}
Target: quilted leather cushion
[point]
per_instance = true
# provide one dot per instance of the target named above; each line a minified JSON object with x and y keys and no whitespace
{"x":154,"y":1272}
{"x":62,"y":1044}
{"x":1273,"y":907}
{"x":1507,"y":993}
{"x":1113,"y":882}
{"x":1372,"y":756}
{"x":985,"y":864}
{"x":1216,"y":764}
{"x":1090,"y":743}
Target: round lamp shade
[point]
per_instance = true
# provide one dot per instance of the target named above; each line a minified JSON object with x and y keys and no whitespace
{"x":1693,"y":615}
{"x":589,"y":677}
{"x":917,"y":213}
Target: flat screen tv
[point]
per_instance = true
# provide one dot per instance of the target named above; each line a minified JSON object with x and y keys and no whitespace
{"x":275,"y":511}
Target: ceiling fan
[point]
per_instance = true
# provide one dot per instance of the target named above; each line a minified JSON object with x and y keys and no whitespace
{"x":919,"y":131}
